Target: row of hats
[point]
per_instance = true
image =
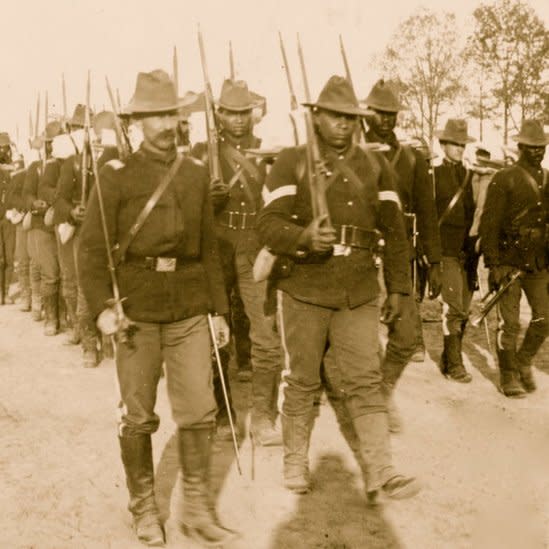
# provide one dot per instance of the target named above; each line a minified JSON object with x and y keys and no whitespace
{"x":155,"y":92}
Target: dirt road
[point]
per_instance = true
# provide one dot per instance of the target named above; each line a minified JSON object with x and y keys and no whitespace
{"x":483,"y":460}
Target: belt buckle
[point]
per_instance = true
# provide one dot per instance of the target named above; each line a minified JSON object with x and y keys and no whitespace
{"x":165,"y":264}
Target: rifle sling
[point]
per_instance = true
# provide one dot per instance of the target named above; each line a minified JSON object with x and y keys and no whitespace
{"x":234,"y":157}
{"x":122,"y":247}
{"x":455,"y":199}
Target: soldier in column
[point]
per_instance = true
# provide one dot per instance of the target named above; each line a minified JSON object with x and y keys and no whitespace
{"x":169,"y":276}
{"x":415,"y":190}
{"x":455,"y":208}
{"x":327,"y":289}
{"x":513,"y":237}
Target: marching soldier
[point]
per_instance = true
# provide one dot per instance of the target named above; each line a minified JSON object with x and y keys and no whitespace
{"x":158,"y":213}
{"x":38,"y":193}
{"x":455,"y":206}
{"x":7,"y":230}
{"x":513,"y":237}
{"x":237,"y":200}
{"x":416,"y":196}
{"x":329,"y":291}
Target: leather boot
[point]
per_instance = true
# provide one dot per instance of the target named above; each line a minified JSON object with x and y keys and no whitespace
{"x":199,"y":521}
{"x":25,"y":292}
{"x":73,"y":333}
{"x":373,"y":434}
{"x":451,"y":362}
{"x":263,"y":429}
{"x":296,"y":431}
{"x":136,"y":452}
{"x":509,"y":377}
{"x":531,"y":343}
{"x":51,"y":311}
{"x":89,"y":345}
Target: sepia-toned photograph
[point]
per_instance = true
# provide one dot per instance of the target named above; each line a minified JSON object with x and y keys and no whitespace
{"x":274,"y":275}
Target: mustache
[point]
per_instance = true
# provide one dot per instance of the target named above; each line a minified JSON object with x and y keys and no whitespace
{"x":166,"y":134}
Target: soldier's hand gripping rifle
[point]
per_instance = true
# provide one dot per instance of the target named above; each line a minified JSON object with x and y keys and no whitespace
{"x":490,"y":300}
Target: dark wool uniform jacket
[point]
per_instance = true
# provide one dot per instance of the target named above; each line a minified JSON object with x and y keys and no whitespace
{"x":15,"y":194}
{"x":512,"y":226}
{"x":40,"y":184}
{"x":449,"y":176}
{"x":180,"y":225}
{"x":244,"y":194}
{"x":336,"y":281}
{"x":69,"y":186}
{"x":416,"y":193}
{"x":5,"y":189}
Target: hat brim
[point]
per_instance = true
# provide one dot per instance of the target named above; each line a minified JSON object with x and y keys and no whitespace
{"x":530,"y":142}
{"x":442,"y":136}
{"x":137,"y":108}
{"x":337,"y":107}
{"x":237,"y":108}
{"x":384,"y":108}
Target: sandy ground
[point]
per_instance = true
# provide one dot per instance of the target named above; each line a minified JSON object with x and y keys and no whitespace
{"x":483,"y":460}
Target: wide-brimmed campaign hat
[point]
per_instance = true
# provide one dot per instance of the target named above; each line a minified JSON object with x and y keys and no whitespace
{"x":154,"y":93}
{"x":338,"y":96}
{"x":455,"y":131}
{"x":4,"y":139}
{"x":235,"y":96}
{"x":384,"y":96}
{"x":79,"y":116}
{"x":53,"y":129}
{"x":531,"y":133}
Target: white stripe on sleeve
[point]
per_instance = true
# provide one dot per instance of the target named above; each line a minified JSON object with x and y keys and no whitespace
{"x":280,"y":192}
{"x":390,"y":196}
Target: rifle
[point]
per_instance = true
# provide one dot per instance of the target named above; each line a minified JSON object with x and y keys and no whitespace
{"x":490,"y":300}
{"x":175,"y":71}
{"x":211,"y":127}
{"x":122,"y":140}
{"x":44,"y":160}
{"x":363,"y":128}
{"x":293,"y":100}
{"x":315,"y":164}
{"x":232,"y":72}
{"x":64,"y":94}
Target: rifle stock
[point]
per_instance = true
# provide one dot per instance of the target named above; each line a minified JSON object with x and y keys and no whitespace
{"x":211,"y":126}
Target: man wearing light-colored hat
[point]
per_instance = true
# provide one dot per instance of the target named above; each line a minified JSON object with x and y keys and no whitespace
{"x":327,"y":291}
{"x":514,"y":237}
{"x":169,"y":278}
{"x":415,"y":191}
{"x":237,"y":200}
{"x":455,"y":208}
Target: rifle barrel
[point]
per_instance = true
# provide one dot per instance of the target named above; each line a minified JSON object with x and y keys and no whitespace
{"x":37,"y":119}
{"x":293,"y":100}
{"x":175,"y":71}
{"x":122,"y":140}
{"x":231,"y":61}
{"x":303,"y":71}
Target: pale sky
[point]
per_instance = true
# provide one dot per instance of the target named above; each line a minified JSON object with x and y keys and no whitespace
{"x":118,"y":38}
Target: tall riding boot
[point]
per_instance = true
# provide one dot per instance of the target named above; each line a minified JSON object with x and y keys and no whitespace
{"x":509,"y":376}
{"x":373,"y":433}
{"x":533,"y":340}
{"x":451,"y":361}
{"x":296,"y":432}
{"x":263,"y":428}
{"x":25,"y":289}
{"x":199,"y":520}
{"x":51,"y":326}
{"x":36,"y":293}
{"x":89,"y":343}
{"x":73,"y":334}
{"x":136,"y":452}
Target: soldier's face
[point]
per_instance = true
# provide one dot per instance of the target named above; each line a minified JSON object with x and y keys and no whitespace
{"x":453,"y":151}
{"x":235,"y":123}
{"x":532,"y":155}
{"x":383,"y":122}
{"x":159,"y":131}
{"x":5,"y":154}
{"x":336,"y":128}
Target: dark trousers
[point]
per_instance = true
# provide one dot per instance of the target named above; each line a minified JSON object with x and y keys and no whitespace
{"x":42,"y":248}
{"x":352,"y":356}
{"x":534,"y":286}
{"x":7,"y":254}
{"x":456,"y":296}
{"x":184,"y":347}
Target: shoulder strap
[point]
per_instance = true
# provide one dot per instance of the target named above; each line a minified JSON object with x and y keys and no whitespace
{"x":455,"y":198}
{"x":122,"y":247}
{"x":233,"y":156}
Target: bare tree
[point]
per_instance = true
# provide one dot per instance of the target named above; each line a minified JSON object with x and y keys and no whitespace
{"x":510,"y":45}
{"x":424,"y":57}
